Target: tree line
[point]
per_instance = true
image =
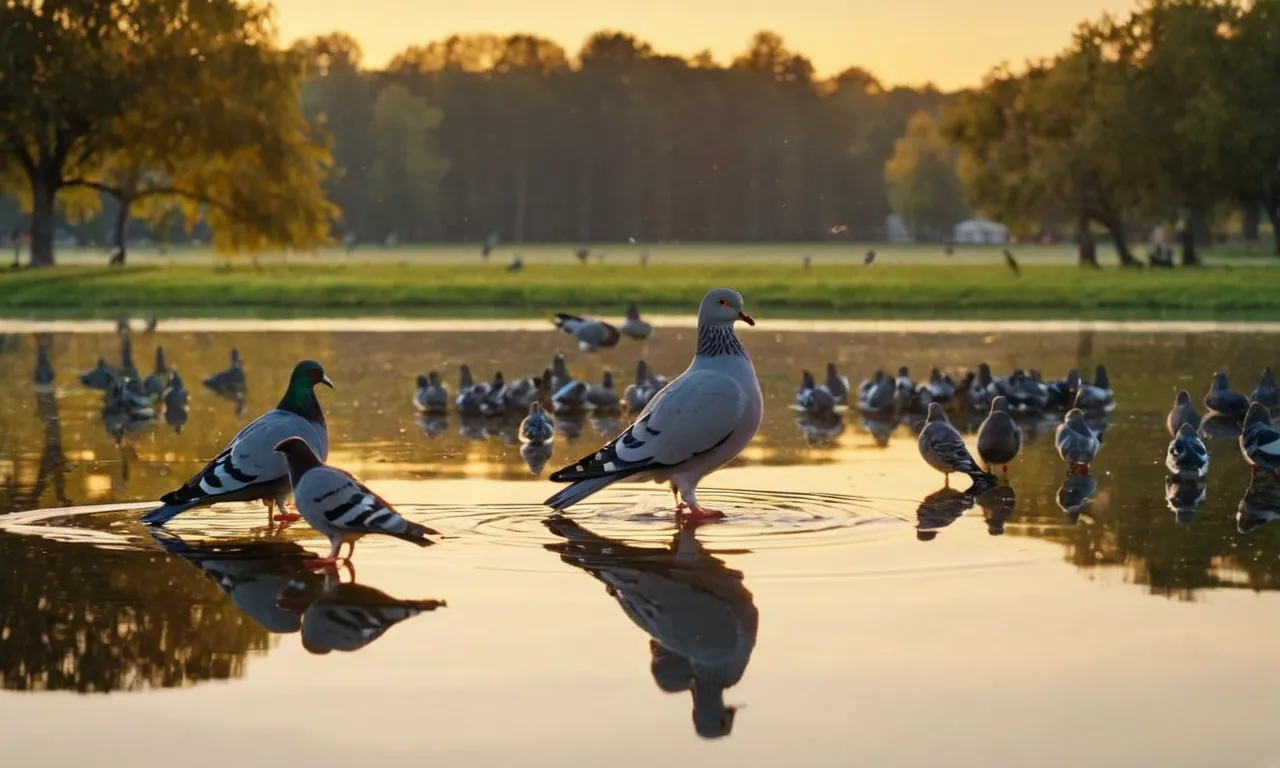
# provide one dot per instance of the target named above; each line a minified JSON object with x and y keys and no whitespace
{"x":1168,"y":115}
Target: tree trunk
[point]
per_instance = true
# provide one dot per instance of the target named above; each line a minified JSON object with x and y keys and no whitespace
{"x":1252,"y":217}
{"x":1088,"y":247}
{"x":1115,"y":228}
{"x":1273,"y":215}
{"x":1188,"y":243}
{"x":121,"y":224}
{"x":43,"y":192}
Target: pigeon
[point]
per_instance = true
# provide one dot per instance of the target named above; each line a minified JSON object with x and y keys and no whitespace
{"x":638,"y":394}
{"x":1259,"y":441}
{"x":1076,"y":442}
{"x":432,"y":396}
{"x":1182,"y":413}
{"x":559,"y":373}
{"x":880,"y":397}
{"x":1266,"y":392}
{"x":904,"y":389}
{"x":808,"y":261}
{"x":603,"y":397}
{"x":582,"y":254}
{"x":837,"y":385}
{"x":1061,"y":394}
{"x":516,"y":265}
{"x":1221,"y":399}
{"x":940,"y":388}
{"x":983,"y":389}
{"x":100,"y":377}
{"x":471,"y":395}
{"x":151,"y":324}
{"x":818,"y":400}
{"x":570,"y":398}
{"x":174,"y":397}
{"x":698,"y":423}
{"x":867,"y":385}
{"x":1012,"y":263}
{"x":870,"y":257}
{"x":633,"y":326}
{"x":537,"y":428}
{"x":43,"y":376}
{"x":336,"y":504}
{"x":943,"y":448}
{"x":1187,"y":456}
{"x":1098,"y":395}
{"x":495,"y":401}
{"x":247,"y":469}
{"x":154,"y":384}
{"x":1259,"y":506}
{"x":521,"y":393}
{"x":127,"y":368}
{"x":999,"y":436}
{"x":806,"y":387}
{"x":229,"y":381}
{"x":591,"y":334}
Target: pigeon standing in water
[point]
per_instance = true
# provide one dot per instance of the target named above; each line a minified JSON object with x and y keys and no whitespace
{"x":101,"y":377}
{"x":1187,"y":456}
{"x":999,"y":436}
{"x":633,"y":326}
{"x":43,"y":376}
{"x":1266,"y":392}
{"x":1076,"y":442}
{"x":153,"y":385}
{"x":1259,"y":441}
{"x":230,"y":380}
{"x":696,"y":424}
{"x":174,"y":397}
{"x":249,"y":469}
{"x":1220,"y":398}
{"x":943,"y":448}
{"x":1182,"y":413}
{"x":341,"y":507}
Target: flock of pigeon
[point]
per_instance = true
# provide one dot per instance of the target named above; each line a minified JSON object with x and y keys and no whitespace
{"x":682,"y":430}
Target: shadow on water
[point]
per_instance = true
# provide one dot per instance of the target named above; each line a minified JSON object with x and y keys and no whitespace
{"x":700,"y":617}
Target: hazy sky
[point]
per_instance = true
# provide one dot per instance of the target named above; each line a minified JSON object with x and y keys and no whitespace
{"x":949,"y":42}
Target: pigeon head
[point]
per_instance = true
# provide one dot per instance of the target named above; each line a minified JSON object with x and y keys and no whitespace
{"x":1267,"y":381}
{"x":806,"y":380}
{"x":642,"y":372}
{"x":160,"y":364}
{"x":175,"y":381}
{"x":926,"y":535}
{"x":607,"y":381}
{"x":1186,"y":431}
{"x":633,"y":312}
{"x":935,"y":413}
{"x":464,"y":377}
{"x":1220,"y":381}
{"x":999,"y":403}
{"x":1075,"y":420}
{"x":308,"y":373}
{"x":299,"y":456}
{"x":1182,"y":398}
{"x":422,"y":382}
{"x":722,"y":306}
{"x":1100,"y":379}
{"x":712,"y":719}
{"x":433,"y":378}
{"x":235,"y":358}
{"x":536,"y":409}
{"x":1258,"y":414}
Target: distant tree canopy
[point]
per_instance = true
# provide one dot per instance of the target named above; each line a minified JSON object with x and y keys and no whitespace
{"x":1166,"y":115}
{"x":163,"y":104}
{"x":922,"y":179}
{"x":514,"y":137}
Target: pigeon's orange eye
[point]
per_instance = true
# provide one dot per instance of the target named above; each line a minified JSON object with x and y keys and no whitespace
{"x":724,"y":302}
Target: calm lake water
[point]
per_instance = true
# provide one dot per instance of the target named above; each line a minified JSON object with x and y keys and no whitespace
{"x":813,"y":627}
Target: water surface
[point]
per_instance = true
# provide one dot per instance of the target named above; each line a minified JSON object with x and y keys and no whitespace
{"x":849,"y":611}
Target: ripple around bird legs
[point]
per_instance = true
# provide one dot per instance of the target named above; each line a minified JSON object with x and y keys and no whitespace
{"x":754,"y":520}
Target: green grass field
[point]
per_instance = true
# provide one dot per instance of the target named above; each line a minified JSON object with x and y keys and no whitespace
{"x":904,"y":281}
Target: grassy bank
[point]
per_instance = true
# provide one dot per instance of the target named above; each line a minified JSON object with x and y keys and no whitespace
{"x":325,"y":288}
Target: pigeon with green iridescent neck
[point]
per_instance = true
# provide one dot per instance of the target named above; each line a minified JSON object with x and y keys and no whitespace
{"x":249,"y":469}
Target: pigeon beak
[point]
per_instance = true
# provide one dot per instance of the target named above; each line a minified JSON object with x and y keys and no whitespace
{"x":325,"y":381}
{"x":744,"y":317}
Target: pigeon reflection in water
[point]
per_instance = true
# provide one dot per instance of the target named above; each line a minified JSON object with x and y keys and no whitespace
{"x":1074,"y":493}
{"x":432,"y":425}
{"x":268,"y":581}
{"x":820,"y":429}
{"x":1184,"y":497}
{"x":699,"y":614}
{"x":1217,"y":426}
{"x":942,"y":508}
{"x":347,"y":617}
{"x":536,"y":456}
{"x":997,"y":504}
{"x":1260,"y":504}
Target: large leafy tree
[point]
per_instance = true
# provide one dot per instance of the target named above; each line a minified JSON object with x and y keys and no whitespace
{"x":173,"y":102}
{"x":922,"y":180}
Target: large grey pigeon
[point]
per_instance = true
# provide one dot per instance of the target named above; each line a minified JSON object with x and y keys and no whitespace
{"x":249,"y":469}
{"x":695,"y":425}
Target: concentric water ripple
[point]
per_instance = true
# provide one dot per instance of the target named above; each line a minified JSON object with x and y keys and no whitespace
{"x":754,"y":521}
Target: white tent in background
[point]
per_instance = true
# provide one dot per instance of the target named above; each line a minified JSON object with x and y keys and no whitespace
{"x":981,"y":231}
{"x":895,"y":230}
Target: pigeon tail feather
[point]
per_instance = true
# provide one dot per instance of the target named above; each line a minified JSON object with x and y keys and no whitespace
{"x":163,"y":514}
{"x":416,"y":534}
{"x":579,"y":491}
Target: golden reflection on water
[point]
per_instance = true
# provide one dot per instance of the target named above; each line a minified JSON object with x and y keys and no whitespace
{"x":851,"y":616}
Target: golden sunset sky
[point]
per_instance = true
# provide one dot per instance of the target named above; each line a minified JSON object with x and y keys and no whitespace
{"x":951,"y":43}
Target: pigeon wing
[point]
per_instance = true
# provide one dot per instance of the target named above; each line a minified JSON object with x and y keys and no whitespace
{"x":691,"y":416}
{"x":346,"y":504}
{"x":250,"y":459}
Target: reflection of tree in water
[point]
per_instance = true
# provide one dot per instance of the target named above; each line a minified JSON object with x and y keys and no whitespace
{"x":83,"y":618}
{"x":53,"y":463}
{"x":701,"y":618}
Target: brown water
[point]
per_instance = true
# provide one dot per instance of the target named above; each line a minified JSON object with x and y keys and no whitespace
{"x":812,"y":627}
